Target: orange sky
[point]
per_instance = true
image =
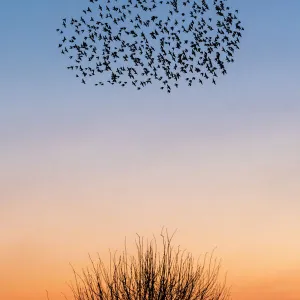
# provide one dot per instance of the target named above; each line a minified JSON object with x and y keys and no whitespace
{"x":62,"y":210}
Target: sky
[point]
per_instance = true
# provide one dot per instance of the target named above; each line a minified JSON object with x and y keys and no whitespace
{"x":83,"y":167}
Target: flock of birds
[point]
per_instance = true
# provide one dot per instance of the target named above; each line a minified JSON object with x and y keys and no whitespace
{"x":139,"y":44}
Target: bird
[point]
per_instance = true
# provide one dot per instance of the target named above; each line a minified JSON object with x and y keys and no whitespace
{"x":122,"y":41}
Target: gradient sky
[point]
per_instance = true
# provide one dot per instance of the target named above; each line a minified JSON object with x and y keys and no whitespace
{"x":82,"y":166}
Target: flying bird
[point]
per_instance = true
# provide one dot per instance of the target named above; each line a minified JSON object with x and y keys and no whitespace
{"x":121,"y":41}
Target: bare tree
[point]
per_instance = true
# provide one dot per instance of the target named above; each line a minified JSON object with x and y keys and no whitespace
{"x":150,"y":276}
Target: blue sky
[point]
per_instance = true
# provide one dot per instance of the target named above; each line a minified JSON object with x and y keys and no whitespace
{"x":36,"y":88}
{"x":36,"y":84}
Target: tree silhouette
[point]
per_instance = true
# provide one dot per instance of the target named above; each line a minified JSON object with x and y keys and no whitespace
{"x":191,"y":40}
{"x":150,"y":276}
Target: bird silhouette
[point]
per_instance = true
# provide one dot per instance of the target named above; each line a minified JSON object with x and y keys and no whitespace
{"x":128,"y":40}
